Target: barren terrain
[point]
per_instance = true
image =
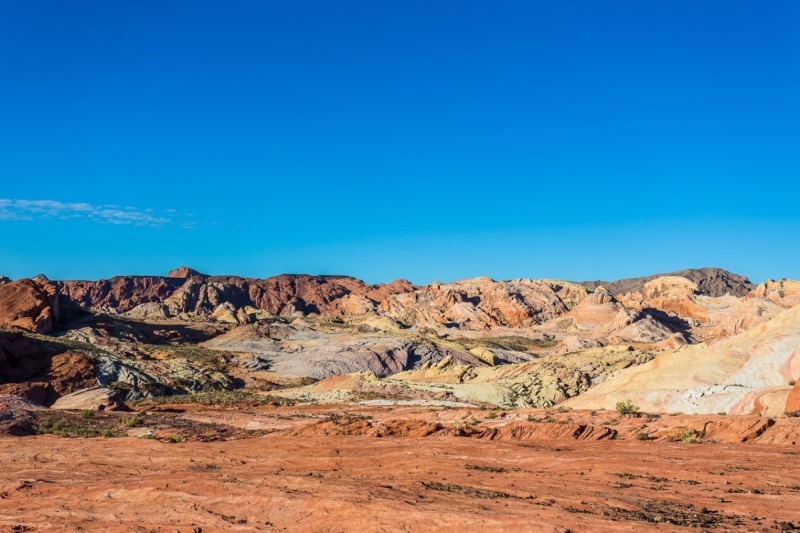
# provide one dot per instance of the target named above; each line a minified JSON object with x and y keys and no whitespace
{"x":321,"y":403}
{"x":328,"y":469}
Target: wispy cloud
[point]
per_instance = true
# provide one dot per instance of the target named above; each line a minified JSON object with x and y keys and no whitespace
{"x":106,"y":214}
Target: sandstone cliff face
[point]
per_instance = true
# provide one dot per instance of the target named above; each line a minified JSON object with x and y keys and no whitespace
{"x":29,"y":304}
{"x":186,"y":291}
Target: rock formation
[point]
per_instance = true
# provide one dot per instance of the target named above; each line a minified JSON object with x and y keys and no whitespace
{"x":476,"y":304}
{"x":710,"y":282}
{"x":92,"y":399}
{"x":745,"y":374}
{"x":29,"y":304}
{"x":186,"y":291}
{"x":785,"y":292}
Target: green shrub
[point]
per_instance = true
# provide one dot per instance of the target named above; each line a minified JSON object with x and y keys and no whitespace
{"x":687,"y":437}
{"x":86,"y":413}
{"x":134,"y":422}
{"x":627,"y":408}
{"x":642,"y":436}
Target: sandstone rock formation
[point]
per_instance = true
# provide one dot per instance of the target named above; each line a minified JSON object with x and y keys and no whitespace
{"x":151,"y":310}
{"x":93,"y":399}
{"x":477,"y":304}
{"x":184,"y":273}
{"x":710,"y":282}
{"x":745,"y":374}
{"x":705,"y":318}
{"x":785,"y":292}
{"x":16,"y":415}
{"x":299,"y":350}
{"x":29,"y":304}
{"x":186,"y":291}
{"x":543,"y":382}
{"x":41,"y":371}
{"x":602,"y":319}
{"x":793,"y":399}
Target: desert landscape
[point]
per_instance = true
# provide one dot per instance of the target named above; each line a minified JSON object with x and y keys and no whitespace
{"x":191,"y":402}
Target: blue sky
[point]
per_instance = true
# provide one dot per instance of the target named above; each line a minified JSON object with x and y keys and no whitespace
{"x":424,"y":140}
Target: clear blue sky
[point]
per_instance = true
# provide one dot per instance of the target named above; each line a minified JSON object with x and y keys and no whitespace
{"x":386,"y":139}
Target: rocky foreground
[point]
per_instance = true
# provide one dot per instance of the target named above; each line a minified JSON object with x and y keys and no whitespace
{"x":190,"y":468}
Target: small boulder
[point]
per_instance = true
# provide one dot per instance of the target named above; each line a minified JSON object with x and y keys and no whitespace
{"x":93,"y":399}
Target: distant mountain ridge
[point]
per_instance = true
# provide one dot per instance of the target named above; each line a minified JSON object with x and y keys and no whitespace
{"x":711,"y":281}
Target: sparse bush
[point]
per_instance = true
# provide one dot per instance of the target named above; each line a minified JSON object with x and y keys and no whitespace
{"x":531,"y":419}
{"x":722,"y":413}
{"x":175,"y":438}
{"x":562,"y":409}
{"x":792,"y":382}
{"x":86,"y":413}
{"x":642,"y":436}
{"x":592,"y":413}
{"x":793,"y":414}
{"x":136,"y":421}
{"x":687,"y":437}
{"x":627,"y":408}
{"x":491,"y":414}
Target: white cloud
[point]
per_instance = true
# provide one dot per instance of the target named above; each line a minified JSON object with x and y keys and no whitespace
{"x":108,"y":214}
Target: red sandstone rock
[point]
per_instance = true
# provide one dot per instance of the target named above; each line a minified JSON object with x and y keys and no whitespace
{"x":793,"y":401}
{"x":29,"y":304}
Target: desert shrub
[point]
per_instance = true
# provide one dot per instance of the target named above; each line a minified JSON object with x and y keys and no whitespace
{"x":793,"y":414}
{"x":491,"y":414}
{"x":722,"y":413}
{"x":627,"y":408}
{"x":687,"y":437}
{"x":642,"y":436}
{"x":562,"y":409}
{"x":136,"y":421}
{"x":86,"y":413}
{"x":175,"y":438}
{"x":592,"y":413}
{"x":792,"y":382}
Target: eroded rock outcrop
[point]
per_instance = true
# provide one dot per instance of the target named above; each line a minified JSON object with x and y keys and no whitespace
{"x":93,"y":399}
{"x":710,"y":282}
{"x":29,"y":304}
{"x":477,"y":304}
{"x":785,"y":292}
{"x":187,"y":291}
{"x":745,"y":374}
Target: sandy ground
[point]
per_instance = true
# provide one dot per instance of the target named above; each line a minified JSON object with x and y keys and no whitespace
{"x":298,"y":478}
